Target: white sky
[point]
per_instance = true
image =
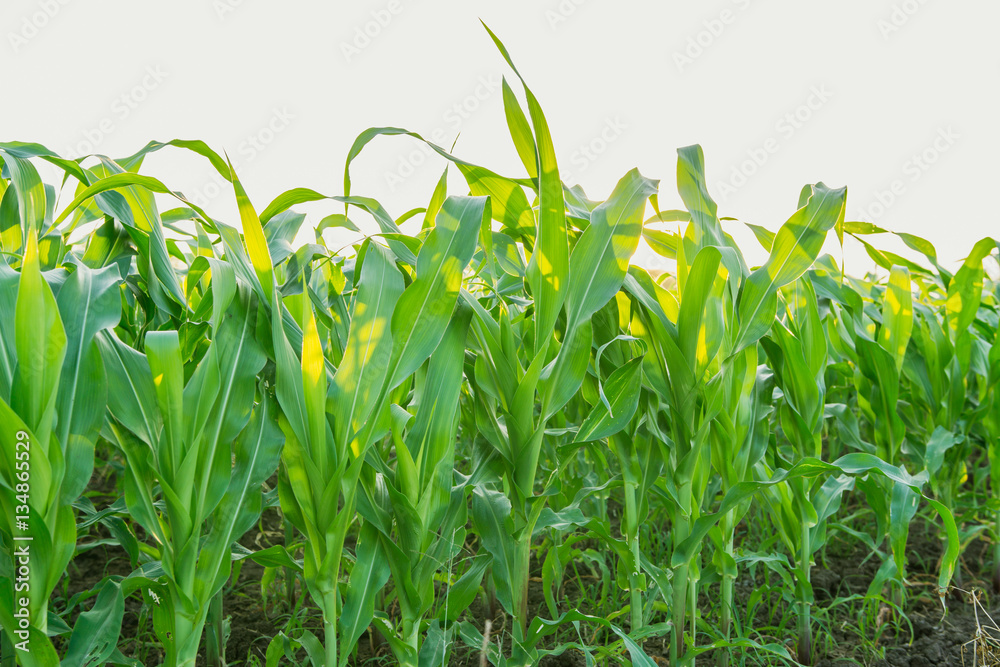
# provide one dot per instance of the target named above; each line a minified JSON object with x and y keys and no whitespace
{"x":888,"y":81}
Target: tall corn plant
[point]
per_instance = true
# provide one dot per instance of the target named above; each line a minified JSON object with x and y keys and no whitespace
{"x":40,"y":335}
{"x":939,"y":370}
{"x":420,"y":512}
{"x":53,"y":389}
{"x":989,"y":401}
{"x":797,"y":351}
{"x":89,"y":302}
{"x":330,"y":423}
{"x":505,"y":387}
{"x":407,"y":489}
{"x":703,"y":360}
{"x":910,"y":376}
{"x":205,"y":438}
{"x":419,"y":519}
{"x":531,"y":330}
{"x":188,"y":414}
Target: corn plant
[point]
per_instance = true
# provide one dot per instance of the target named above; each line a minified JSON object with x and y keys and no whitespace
{"x":176,"y":436}
{"x":53,"y":389}
{"x":428,"y":510}
{"x":939,"y":372}
{"x":392,"y":332}
{"x":445,"y":408}
{"x":797,"y":351}
{"x":704,"y":337}
{"x":989,"y":402}
{"x":520,"y":363}
{"x":53,"y":399}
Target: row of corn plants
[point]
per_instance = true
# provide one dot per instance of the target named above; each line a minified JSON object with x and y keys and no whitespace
{"x":479,"y":399}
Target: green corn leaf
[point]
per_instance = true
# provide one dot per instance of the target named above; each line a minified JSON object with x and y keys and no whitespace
{"x":253,"y":233}
{"x":96,"y":631}
{"x":897,"y":315}
{"x":145,"y":218}
{"x":463,"y":592}
{"x":370,"y":573}
{"x":662,"y":243}
{"x":164,"y":355}
{"x":40,"y":340}
{"x":491,"y":512}
{"x":880,"y":368}
{"x":509,"y":205}
{"x":548,"y":268}
{"x":862,"y":228}
{"x":886,"y":259}
{"x":88,"y":301}
{"x":134,"y":402}
{"x":940,"y":441}
{"x":927,"y":249}
{"x":965,"y":291}
{"x":432,"y":437}
{"x":700,"y":319}
{"x":764,"y":236}
{"x":30,"y":192}
{"x":124,"y":180}
{"x":11,"y":230}
{"x":691,"y":184}
{"x":796,"y":246}
{"x":601,"y":255}
{"x":357,"y":382}
{"x":902,"y":509}
{"x":520,"y":131}
{"x":425,"y":307}
{"x":598,"y":267}
{"x":622,"y":389}
{"x":255,"y":455}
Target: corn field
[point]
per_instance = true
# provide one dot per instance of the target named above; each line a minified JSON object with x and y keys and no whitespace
{"x":486,"y":438}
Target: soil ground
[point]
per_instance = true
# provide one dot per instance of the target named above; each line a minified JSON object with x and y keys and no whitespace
{"x":839,"y":573}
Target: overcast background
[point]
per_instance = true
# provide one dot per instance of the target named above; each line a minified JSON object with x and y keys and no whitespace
{"x":897,"y":99}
